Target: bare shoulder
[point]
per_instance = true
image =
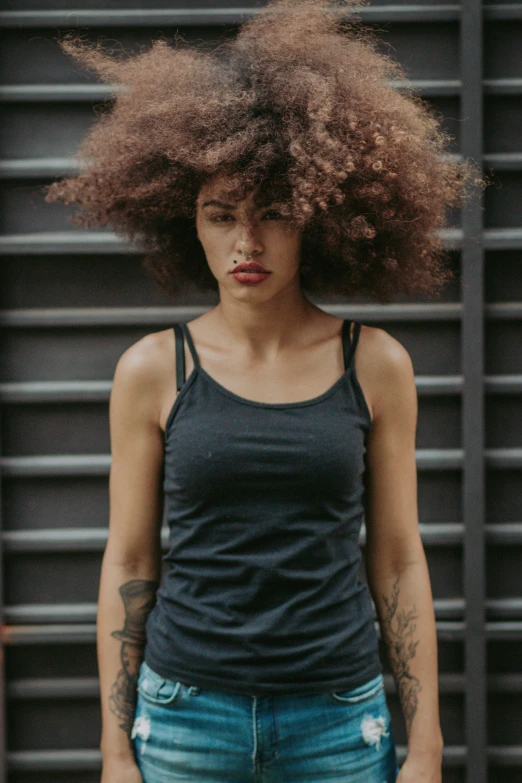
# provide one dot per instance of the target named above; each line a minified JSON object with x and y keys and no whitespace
{"x":384,"y":369}
{"x":143,"y":370}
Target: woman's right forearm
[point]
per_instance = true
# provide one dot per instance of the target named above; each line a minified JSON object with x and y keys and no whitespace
{"x":127,"y":595}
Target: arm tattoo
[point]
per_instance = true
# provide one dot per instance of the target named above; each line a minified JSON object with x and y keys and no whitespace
{"x":139,"y":597}
{"x":398,"y":628}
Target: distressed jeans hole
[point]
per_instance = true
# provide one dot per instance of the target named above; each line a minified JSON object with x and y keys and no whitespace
{"x":141,"y":729}
{"x":373,"y":730}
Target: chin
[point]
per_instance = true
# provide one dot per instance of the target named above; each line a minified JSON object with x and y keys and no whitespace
{"x":250,"y":293}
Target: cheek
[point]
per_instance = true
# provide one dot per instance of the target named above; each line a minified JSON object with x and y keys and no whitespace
{"x":217,"y":252}
{"x":212,"y":240}
{"x":291,"y":251}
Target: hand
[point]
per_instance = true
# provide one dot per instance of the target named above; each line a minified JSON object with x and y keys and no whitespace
{"x":420,"y":770}
{"x":120,"y":771}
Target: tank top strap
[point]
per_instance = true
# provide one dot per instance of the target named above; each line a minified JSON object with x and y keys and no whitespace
{"x":180,"y":333}
{"x":180,"y":356}
{"x":349,"y":345}
{"x":190,"y":341}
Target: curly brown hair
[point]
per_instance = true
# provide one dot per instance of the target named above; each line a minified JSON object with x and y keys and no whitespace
{"x":298,"y":107}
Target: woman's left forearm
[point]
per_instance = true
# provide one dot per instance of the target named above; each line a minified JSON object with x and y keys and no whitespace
{"x":404,"y":605}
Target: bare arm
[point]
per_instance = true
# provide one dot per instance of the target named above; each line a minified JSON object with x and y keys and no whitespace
{"x":395,"y":561}
{"x":131,"y":565}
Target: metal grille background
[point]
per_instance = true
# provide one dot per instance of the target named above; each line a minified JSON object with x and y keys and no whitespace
{"x":73,"y":301}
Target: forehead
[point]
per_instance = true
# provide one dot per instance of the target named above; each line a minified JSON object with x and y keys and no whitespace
{"x":225,"y":191}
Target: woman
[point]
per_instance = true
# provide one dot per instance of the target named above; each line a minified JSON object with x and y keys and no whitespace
{"x":281,"y":165}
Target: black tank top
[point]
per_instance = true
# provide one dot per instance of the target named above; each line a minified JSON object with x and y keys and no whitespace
{"x":264,"y":501}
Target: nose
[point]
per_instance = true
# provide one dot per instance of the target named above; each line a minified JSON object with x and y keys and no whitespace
{"x":248,"y":241}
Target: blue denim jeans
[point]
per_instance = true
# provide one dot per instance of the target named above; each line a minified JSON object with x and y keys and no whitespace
{"x":186,"y":734}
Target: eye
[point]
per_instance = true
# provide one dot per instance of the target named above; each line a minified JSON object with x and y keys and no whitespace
{"x":221,"y":218}
{"x":274,"y":214}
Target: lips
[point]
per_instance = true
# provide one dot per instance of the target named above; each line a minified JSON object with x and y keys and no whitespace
{"x":250,"y":273}
{"x":249,"y":266}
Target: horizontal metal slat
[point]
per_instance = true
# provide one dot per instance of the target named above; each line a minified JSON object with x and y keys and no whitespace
{"x":501,"y":161}
{"x":432,"y":533}
{"x":503,"y":384}
{"x":95,"y":317}
{"x":95,"y":539}
{"x":85,"y":242}
{"x":41,"y":614}
{"x":126,"y":17}
{"x":57,"y":93}
{"x":88,"y":760}
{"x":54,"y":760}
{"x":219,"y":16}
{"x":502,"y":11}
{"x":434,"y":385}
{"x":53,"y":688}
{"x":507,"y":756}
{"x":33,"y":614}
{"x":60,"y":317}
{"x":503,"y":311}
{"x":505,"y":683}
{"x":99,"y":464}
{"x":60,"y":540}
{"x":503,"y":458}
{"x":502,"y":86}
{"x":504,"y":608}
{"x":505,"y":631}
{"x":191,"y":17}
{"x":56,"y":465}
{"x":46,"y":168}
{"x":507,"y":533}
{"x":50,"y":242}
{"x":502,"y":238}
{"x":49,"y":634}
{"x":89,"y":687}
{"x":33,"y":392}
{"x":86,"y":633}
{"x":38,"y":168}
{"x":75,"y":93}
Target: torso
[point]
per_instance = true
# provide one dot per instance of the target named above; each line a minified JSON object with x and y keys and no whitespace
{"x":305,"y":373}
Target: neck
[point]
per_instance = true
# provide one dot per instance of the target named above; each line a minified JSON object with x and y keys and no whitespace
{"x":263,"y":324}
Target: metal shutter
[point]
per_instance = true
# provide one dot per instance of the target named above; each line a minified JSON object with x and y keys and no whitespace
{"x":73,"y":301}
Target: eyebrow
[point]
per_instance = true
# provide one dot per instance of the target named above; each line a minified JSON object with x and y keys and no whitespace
{"x":221,"y":204}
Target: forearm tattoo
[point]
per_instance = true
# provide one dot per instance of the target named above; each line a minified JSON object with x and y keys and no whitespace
{"x":139,"y":597}
{"x":398,"y":626}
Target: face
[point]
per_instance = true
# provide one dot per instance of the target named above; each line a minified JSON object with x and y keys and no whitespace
{"x":241,"y":233}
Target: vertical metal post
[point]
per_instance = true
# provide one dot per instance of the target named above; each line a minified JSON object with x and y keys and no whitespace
{"x":3,"y":700}
{"x":473,"y":400}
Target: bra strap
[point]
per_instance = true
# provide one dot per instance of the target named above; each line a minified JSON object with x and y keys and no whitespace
{"x":180,"y":356}
{"x":349,"y":346}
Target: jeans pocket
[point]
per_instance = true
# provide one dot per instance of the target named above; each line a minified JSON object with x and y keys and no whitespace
{"x":156,"y":689}
{"x":363,"y":693}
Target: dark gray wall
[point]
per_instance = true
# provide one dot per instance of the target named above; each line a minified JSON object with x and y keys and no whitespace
{"x":72,"y":302}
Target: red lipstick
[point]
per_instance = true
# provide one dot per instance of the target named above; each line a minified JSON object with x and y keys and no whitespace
{"x":249,"y":273}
